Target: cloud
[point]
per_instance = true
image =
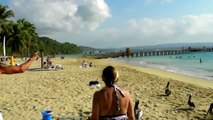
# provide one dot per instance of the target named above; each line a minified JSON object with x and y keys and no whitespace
{"x":92,"y":13}
{"x":195,"y":25}
{"x":149,"y":31}
{"x":79,"y":21}
{"x":150,"y":27}
{"x":51,"y":16}
{"x":188,"y":25}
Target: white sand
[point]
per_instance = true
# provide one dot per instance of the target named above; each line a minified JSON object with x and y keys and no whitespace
{"x":66,"y":92}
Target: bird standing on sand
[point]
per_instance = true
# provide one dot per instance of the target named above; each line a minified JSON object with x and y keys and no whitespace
{"x":167,"y":89}
{"x":94,"y":83}
{"x":210,"y":109}
{"x":190,"y":103}
{"x":138,"y":112}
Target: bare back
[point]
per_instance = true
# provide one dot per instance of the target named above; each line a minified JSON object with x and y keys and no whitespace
{"x":106,"y":103}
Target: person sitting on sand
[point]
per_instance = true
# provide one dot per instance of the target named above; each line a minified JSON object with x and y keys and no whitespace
{"x":84,"y":64}
{"x":20,"y":68}
{"x":90,"y":64}
{"x":111,"y":102}
{"x":56,"y":66}
{"x":49,"y":62}
{"x":45,"y":65}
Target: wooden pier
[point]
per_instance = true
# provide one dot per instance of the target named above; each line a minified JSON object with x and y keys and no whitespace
{"x":143,"y":53}
{"x":128,"y":53}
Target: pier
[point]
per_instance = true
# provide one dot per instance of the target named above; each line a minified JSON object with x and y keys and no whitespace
{"x":144,"y":53}
{"x":158,"y":52}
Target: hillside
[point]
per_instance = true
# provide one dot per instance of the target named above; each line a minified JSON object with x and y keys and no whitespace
{"x":50,"y":46}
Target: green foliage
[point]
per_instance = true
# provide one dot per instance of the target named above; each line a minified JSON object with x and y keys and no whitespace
{"x":5,"y":22}
{"x":52,"y":47}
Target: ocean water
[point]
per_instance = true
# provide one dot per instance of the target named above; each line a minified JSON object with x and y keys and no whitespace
{"x":196,"y":64}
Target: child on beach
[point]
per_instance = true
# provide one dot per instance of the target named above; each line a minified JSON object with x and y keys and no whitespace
{"x":111,"y":102}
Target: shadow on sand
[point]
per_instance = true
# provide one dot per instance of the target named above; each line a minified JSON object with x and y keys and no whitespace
{"x":163,"y":95}
{"x":41,"y":69}
{"x":184,"y":109}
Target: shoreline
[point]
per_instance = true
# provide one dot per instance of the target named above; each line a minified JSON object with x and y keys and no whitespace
{"x":172,"y":75}
{"x":67,"y":93}
{"x":186,"y":64}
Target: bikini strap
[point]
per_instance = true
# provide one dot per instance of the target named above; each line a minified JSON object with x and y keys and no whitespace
{"x":116,"y":88}
{"x":121,"y":92}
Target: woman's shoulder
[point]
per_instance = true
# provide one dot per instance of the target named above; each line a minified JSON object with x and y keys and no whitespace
{"x":101,"y":91}
{"x":106,"y":90}
{"x":98,"y":94}
{"x":124,"y":90}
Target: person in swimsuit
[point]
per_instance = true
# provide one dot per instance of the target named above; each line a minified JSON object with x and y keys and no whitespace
{"x":20,"y":68}
{"x":111,"y":102}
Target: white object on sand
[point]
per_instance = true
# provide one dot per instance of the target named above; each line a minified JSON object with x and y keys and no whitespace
{"x":1,"y":118}
{"x":58,"y":66}
{"x":4,"y":49}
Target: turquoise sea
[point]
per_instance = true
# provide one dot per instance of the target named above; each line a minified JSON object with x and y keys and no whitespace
{"x":196,"y":64}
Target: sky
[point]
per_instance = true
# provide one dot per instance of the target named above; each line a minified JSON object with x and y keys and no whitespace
{"x":118,"y":23}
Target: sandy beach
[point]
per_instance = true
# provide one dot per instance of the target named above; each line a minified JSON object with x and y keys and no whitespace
{"x":67,"y":94}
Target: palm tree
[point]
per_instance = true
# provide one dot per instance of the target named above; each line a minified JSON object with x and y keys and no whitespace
{"x":5,"y":22}
{"x":23,"y":35}
{"x":29,"y":34}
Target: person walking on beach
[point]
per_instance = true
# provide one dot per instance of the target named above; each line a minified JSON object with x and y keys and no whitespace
{"x":20,"y":68}
{"x":200,"y":60}
{"x":111,"y":102}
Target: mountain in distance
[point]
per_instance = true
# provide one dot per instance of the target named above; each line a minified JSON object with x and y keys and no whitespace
{"x":86,"y":48}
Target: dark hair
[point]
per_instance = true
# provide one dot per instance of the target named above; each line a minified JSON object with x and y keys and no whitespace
{"x":110,"y":75}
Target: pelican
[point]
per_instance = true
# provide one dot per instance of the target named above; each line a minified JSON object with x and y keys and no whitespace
{"x":210,"y":109}
{"x":190,"y":103}
{"x":138,"y":111}
{"x":167,"y":89}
